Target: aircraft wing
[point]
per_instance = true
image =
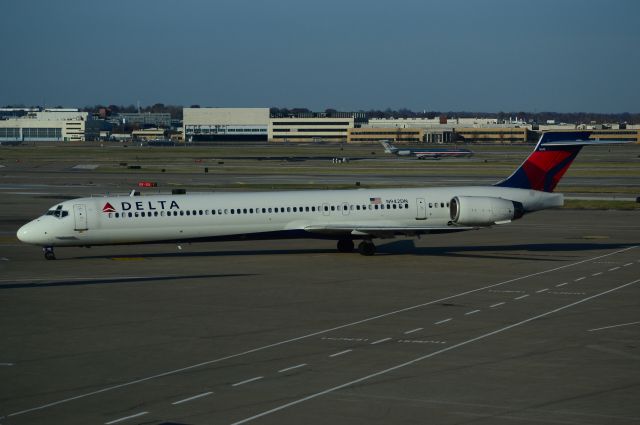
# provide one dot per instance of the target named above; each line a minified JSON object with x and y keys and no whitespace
{"x":382,"y":231}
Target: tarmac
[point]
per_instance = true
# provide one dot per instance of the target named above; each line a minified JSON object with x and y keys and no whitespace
{"x":536,"y":321}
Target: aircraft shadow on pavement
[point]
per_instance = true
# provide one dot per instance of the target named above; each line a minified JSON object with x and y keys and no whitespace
{"x":114,"y":280}
{"x":532,"y":252}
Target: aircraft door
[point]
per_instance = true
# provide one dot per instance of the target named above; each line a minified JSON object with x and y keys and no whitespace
{"x":345,"y":208}
{"x":421,"y":213}
{"x":80,"y":216}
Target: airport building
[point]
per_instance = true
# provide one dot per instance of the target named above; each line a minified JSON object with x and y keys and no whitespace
{"x":301,"y":129}
{"x":494,"y":135}
{"x":149,"y":134}
{"x":363,"y":134}
{"x":143,"y":119}
{"x":225,"y":124}
{"x":56,"y":125}
{"x":631,"y":135}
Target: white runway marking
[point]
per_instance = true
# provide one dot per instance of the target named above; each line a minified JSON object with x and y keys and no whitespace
{"x":540,"y":291}
{"x":340,"y":353}
{"x":286,"y":369}
{"x":6,"y":364}
{"x":497,"y":304}
{"x":328,"y":338}
{"x":413,"y":330}
{"x":562,"y":284}
{"x":246,"y":381}
{"x":442,"y":321}
{"x":313,"y":334}
{"x":380,"y":341}
{"x":420,"y":341}
{"x":627,"y":265}
{"x":567,"y":293}
{"x":597,"y":274}
{"x":613,"y":269}
{"x":613,"y":326}
{"x":469,"y":313}
{"x":427,"y":356}
{"x":115,"y":421}
{"x":195,"y":397}
{"x":580,"y":278}
{"x":521,"y":297}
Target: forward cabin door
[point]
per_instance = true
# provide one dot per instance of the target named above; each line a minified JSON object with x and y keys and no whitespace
{"x":421,"y":213}
{"x":80,"y":216}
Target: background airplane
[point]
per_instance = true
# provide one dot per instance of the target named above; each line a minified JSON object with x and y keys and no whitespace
{"x":428,"y":153}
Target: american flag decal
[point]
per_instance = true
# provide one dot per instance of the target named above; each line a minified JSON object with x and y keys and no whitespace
{"x":375,"y":201}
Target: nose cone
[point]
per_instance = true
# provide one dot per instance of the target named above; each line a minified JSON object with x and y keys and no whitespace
{"x":29,"y":233}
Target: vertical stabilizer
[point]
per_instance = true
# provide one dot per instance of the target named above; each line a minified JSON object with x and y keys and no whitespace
{"x":548,"y":162}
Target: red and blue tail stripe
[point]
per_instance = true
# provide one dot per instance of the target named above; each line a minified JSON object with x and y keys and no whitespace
{"x":551,"y":158}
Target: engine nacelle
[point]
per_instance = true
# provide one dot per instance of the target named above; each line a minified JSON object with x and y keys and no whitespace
{"x":483,"y":210}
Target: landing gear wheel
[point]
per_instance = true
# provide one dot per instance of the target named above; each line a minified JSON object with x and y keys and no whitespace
{"x":367,"y":248}
{"x":48,"y":253}
{"x":345,"y":245}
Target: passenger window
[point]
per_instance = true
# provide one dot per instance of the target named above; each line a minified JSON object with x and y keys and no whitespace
{"x":430,"y":205}
{"x":441,"y":204}
{"x":395,"y":206}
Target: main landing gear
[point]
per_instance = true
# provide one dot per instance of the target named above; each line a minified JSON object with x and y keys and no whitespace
{"x":345,"y":245}
{"x":367,"y":248}
{"x":48,"y":253}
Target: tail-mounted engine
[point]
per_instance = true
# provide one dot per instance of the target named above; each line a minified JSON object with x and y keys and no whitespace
{"x":483,"y":210}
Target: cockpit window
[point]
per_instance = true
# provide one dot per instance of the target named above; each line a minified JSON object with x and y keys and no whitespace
{"x":58,"y":212}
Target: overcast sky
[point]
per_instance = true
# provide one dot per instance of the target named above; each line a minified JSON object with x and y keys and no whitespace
{"x":474,"y":55}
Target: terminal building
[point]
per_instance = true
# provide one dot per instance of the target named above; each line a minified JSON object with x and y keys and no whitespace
{"x":310,"y":129}
{"x":143,"y":119}
{"x":495,"y":135}
{"x":225,"y":124}
{"x":403,"y":135}
{"x":50,"y":125}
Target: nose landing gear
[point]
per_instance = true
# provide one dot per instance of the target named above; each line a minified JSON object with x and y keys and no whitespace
{"x":48,"y":253}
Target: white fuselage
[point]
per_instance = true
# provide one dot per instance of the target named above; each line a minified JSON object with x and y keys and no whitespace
{"x":159,"y":218}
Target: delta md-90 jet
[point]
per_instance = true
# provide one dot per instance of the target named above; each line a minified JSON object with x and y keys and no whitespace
{"x":342,"y":215}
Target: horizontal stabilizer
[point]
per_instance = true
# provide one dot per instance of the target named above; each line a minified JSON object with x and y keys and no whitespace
{"x":589,"y":142}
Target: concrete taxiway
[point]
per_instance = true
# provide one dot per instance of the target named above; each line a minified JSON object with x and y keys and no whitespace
{"x":532,"y":322}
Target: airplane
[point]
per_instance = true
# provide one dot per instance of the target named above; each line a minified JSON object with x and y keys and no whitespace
{"x":427,"y":153}
{"x":341,"y":215}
